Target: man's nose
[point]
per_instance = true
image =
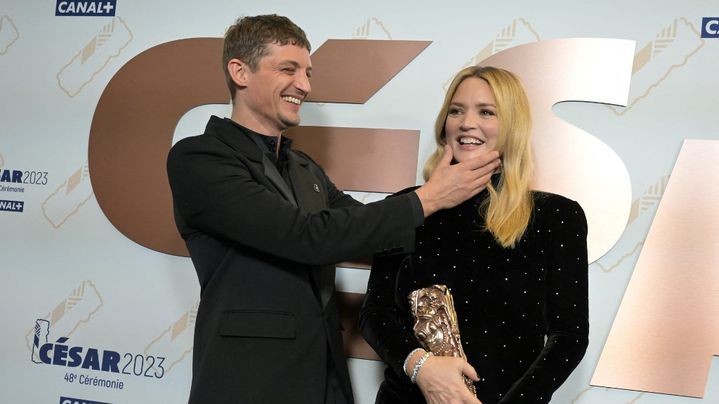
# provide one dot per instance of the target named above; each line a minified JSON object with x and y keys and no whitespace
{"x":303,"y":83}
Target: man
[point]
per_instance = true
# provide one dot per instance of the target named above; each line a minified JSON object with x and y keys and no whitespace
{"x":264,"y":226}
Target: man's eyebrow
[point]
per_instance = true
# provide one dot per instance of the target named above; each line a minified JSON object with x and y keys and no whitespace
{"x":294,"y":64}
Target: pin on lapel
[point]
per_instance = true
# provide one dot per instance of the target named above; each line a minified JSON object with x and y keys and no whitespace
{"x":317,"y":188}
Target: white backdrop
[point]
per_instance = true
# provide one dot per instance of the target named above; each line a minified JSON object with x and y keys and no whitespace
{"x":62,"y":261}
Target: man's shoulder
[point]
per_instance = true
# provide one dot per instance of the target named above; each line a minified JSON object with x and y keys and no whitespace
{"x":194,"y":144}
{"x":217,"y":135}
{"x":190,"y":141}
{"x":216,"y":130}
{"x":199,"y":149}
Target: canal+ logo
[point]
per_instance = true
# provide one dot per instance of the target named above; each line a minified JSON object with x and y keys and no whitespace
{"x":73,"y":400}
{"x":12,"y":206}
{"x":79,"y":8}
{"x":710,"y":27}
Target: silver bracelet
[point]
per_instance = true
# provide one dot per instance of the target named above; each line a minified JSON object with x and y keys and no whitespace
{"x":418,"y":366}
{"x":404,"y":365}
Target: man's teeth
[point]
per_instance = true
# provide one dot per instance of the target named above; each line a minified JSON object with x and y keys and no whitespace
{"x":292,"y":100}
{"x":470,"y":140}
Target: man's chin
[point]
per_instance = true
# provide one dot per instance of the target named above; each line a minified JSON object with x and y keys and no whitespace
{"x":291,"y":123}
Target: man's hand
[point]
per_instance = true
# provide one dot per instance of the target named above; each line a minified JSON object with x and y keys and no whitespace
{"x":451,"y":185}
{"x":440,"y":380}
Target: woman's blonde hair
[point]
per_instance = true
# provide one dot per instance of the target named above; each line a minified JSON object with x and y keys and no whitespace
{"x":508,"y":209}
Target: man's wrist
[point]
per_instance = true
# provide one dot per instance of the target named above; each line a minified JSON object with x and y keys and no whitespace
{"x":429,"y":205}
{"x":416,"y":208}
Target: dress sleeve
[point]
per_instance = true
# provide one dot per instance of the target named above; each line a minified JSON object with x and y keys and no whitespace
{"x":566,"y":306}
{"x":216,"y":193}
{"x":387,"y":327}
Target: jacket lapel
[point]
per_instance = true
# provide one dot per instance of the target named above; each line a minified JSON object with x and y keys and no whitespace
{"x":268,"y":168}
{"x":311,"y":197}
{"x":275,"y":178}
{"x":308,"y":188}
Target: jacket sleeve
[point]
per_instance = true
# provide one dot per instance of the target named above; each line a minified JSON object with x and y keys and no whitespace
{"x":385,"y":321}
{"x":215,"y":193}
{"x":566,"y":308}
{"x":385,"y":325}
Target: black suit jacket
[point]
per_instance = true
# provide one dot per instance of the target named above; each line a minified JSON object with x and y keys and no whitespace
{"x":267,"y":319}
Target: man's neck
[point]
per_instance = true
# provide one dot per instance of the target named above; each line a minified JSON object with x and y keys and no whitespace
{"x":256,"y":127}
{"x":251,"y":123}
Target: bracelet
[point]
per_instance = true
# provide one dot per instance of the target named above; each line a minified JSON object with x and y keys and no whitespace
{"x":404,"y":365}
{"x":418,"y":366}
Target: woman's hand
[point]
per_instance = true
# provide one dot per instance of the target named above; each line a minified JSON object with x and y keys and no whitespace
{"x":440,"y":380}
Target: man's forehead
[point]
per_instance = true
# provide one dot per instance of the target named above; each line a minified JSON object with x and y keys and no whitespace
{"x":274,"y":48}
{"x":288,"y":53}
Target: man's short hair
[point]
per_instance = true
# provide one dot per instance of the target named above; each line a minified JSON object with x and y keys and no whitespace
{"x":248,"y":37}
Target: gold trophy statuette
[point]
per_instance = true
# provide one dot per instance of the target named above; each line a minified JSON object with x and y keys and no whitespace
{"x":435,"y":323}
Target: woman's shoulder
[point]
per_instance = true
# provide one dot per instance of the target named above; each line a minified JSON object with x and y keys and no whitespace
{"x":543,"y":199}
{"x":547,"y":204}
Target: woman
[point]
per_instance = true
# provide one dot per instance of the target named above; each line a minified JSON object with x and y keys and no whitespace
{"x":514,"y":259}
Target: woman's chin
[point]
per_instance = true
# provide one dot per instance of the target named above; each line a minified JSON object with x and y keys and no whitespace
{"x":464,"y":155}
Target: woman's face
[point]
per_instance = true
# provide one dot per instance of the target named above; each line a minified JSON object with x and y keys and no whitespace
{"x":472,"y":127}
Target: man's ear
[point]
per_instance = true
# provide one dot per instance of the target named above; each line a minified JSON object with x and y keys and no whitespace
{"x":238,"y":72}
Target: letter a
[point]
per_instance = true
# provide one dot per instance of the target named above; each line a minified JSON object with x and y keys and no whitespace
{"x":666,"y":330}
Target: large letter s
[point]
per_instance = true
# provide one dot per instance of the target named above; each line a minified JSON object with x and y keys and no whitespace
{"x":568,"y":160}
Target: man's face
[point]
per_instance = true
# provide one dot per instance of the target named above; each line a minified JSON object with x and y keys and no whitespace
{"x":275,"y":91}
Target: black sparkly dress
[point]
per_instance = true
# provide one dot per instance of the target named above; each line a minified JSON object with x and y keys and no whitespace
{"x":523,"y":312}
